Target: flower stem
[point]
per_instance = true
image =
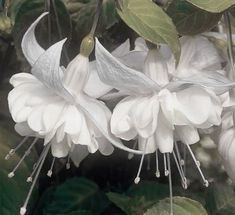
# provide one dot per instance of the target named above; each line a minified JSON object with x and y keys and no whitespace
{"x":96,"y":17}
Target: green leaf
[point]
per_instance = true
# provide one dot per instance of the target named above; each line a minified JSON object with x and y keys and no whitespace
{"x":190,"y":20}
{"x":181,"y":206}
{"x":13,"y":191}
{"x":150,"y":22}
{"x":220,"y":200}
{"x":214,"y":6}
{"x":74,"y":197}
{"x":139,"y":197}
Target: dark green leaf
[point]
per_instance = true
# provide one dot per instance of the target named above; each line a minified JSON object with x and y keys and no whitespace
{"x":220,"y":200}
{"x":13,"y":191}
{"x":190,"y":20}
{"x":214,"y":6}
{"x":150,"y":22}
{"x":139,"y":197}
{"x":182,"y":206}
{"x":75,"y":196}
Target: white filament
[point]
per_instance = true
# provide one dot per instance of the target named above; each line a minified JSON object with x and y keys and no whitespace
{"x":170,"y":183}
{"x":205,"y":182}
{"x":12,"y":151}
{"x":166,"y":172}
{"x":157,"y":165}
{"x":50,"y":171}
{"x":137,"y":179}
{"x":27,"y":152}
{"x":23,"y":209}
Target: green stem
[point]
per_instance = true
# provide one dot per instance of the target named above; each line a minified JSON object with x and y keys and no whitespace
{"x":96,"y":17}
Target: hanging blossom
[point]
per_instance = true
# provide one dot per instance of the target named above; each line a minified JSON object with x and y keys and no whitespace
{"x":51,"y":104}
{"x":225,"y":135}
{"x":166,"y":103}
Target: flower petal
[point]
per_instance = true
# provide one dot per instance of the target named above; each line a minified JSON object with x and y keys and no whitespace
{"x":47,"y":70}
{"x":59,"y":149}
{"x":187,"y":134}
{"x":121,"y":125}
{"x":78,"y":153}
{"x":100,"y":117}
{"x":22,"y":78}
{"x":94,"y":86}
{"x":30,"y":47}
{"x":164,"y":135}
{"x":114,"y":73}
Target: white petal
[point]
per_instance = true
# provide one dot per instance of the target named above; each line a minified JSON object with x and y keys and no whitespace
{"x":151,"y":144}
{"x":24,"y":130}
{"x":194,"y":104}
{"x":187,"y":134}
{"x":140,"y":44}
{"x":121,"y":125}
{"x":47,"y":70}
{"x":144,"y":115}
{"x":74,"y":120}
{"x":30,"y":47}
{"x":155,"y":67}
{"x":123,"y":49}
{"x":105,"y":147}
{"x":76,"y":74}
{"x":22,"y":78}
{"x":35,"y":120}
{"x":22,"y":115}
{"x":101,"y":118}
{"x":114,"y":73}
{"x":164,"y":135}
{"x":94,"y":86}
{"x":78,"y":154}
{"x":51,"y":115}
{"x":59,"y":149}
{"x":199,"y":53}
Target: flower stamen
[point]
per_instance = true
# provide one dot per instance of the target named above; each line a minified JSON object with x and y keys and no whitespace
{"x":170,"y":183}
{"x":23,"y":208}
{"x":137,"y":179}
{"x":12,"y":151}
{"x":166,"y":172}
{"x":27,"y":152}
{"x":50,"y":171}
{"x":157,"y":165}
{"x":197,"y":163}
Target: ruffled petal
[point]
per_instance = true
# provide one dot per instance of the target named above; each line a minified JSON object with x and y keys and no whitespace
{"x":121,"y":124}
{"x":101,"y":118}
{"x":151,"y":144}
{"x":187,"y":134}
{"x":194,"y":104}
{"x":164,"y":135}
{"x":144,"y":115}
{"x":24,"y":130}
{"x":22,"y":78}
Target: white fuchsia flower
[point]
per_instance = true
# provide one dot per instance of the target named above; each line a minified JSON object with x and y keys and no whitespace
{"x":164,"y":103}
{"x":51,"y":104}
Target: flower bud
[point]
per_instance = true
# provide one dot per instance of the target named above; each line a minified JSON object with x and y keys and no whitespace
{"x":87,"y":46}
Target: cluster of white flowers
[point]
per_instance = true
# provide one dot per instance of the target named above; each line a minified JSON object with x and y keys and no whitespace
{"x":162,"y":103}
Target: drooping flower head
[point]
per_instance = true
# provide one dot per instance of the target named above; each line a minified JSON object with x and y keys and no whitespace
{"x":166,"y":104}
{"x":51,"y":104}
